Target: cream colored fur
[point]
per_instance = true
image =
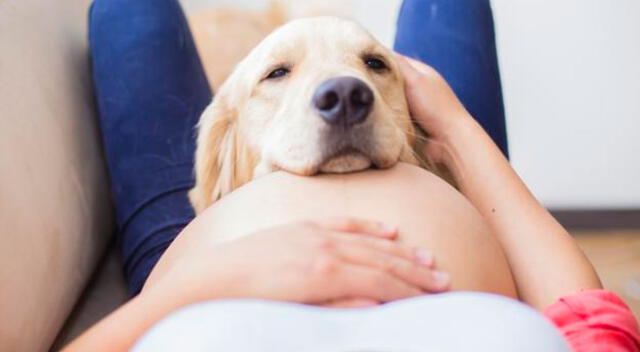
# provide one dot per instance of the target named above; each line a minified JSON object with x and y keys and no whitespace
{"x":255,"y":126}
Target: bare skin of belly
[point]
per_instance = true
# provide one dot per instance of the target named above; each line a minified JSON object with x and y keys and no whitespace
{"x":428,"y":212}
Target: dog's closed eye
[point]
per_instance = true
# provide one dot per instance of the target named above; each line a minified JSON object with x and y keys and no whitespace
{"x":375,"y":63}
{"x":278,"y":73}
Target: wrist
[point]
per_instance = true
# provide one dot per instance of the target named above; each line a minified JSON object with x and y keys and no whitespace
{"x":199,"y":281}
{"x":442,"y":144}
{"x":460,"y":140}
{"x":460,"y":128}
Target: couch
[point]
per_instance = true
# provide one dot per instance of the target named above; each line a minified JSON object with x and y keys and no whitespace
{"x":56,"y":217}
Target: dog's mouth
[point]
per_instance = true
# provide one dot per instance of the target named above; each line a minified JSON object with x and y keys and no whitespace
{"x":348,"y":159}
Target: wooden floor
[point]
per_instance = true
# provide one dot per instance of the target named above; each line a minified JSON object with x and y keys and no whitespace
{"x":616,"y":256}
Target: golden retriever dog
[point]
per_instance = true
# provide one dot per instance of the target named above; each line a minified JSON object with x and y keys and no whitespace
{"x":317,"y":95}
{"x":225,"y":35}
{"x":213,"y":29}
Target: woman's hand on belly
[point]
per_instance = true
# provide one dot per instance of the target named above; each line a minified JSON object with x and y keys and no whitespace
{"x":337,"y":262}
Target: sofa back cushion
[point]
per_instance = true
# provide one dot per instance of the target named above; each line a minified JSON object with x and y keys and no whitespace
{"x":55,"y":216}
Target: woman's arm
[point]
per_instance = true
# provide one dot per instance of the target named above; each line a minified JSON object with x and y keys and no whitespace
{"x":336,"y":262}
{"x":120,"y":329}
{"x":545,"y":260}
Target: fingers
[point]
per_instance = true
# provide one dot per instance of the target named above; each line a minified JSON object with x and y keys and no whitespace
{"x":420,"y":66}
{"x":336,"y":279}
{"x":414,"y":65}
{"x":419,"y":255}
{"x":374,"y":267}
{"x":361,"y":226}
{"x":418,"y":74}
{"x":408,"y":71}
{"x":407,"y":270}
{"x":363,"y":281}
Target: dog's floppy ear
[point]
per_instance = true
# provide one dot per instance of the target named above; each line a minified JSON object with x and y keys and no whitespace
{"x":425,"y":161}
{"x":223,"y":160}
{"x":419,"y":139}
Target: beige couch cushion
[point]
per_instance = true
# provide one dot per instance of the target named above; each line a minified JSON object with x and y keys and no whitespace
{"x":55,"y":217}
{"x":106,"y":292}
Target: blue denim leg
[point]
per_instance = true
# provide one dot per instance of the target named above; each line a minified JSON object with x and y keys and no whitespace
{"x":150,"y":89}
{"x":457,"y":38}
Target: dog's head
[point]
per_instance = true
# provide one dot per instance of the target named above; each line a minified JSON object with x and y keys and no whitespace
{"x":317,"y":95}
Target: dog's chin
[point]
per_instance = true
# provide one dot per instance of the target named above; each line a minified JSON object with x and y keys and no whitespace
{"x":344,"y":163}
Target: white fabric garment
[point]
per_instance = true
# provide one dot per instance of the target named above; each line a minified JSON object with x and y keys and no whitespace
{"x":446,"y":322}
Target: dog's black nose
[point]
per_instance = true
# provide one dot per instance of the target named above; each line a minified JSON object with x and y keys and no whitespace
{"x":343,"y":101}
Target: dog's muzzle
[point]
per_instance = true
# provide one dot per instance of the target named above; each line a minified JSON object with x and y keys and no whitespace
{"x":343,"y":101}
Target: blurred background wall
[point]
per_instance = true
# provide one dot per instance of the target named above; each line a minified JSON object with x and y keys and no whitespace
{"x":572,"y":92}
{"x":571,"y":76}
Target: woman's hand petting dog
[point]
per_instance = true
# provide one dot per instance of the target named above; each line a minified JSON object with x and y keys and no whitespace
{"x":341,"y":262}
{"x":432,"y":104}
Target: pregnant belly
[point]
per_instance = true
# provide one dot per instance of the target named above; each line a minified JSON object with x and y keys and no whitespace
{"x":428,"y":212}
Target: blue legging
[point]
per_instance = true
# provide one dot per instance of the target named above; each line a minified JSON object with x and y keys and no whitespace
{"x":150,"y":89}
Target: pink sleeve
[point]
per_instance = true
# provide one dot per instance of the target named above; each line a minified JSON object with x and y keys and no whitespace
{"x":596,"y":320}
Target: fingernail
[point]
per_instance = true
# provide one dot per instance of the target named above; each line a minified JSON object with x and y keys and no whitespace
{"x":424,"y":257}
{"x":440,"y":278}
